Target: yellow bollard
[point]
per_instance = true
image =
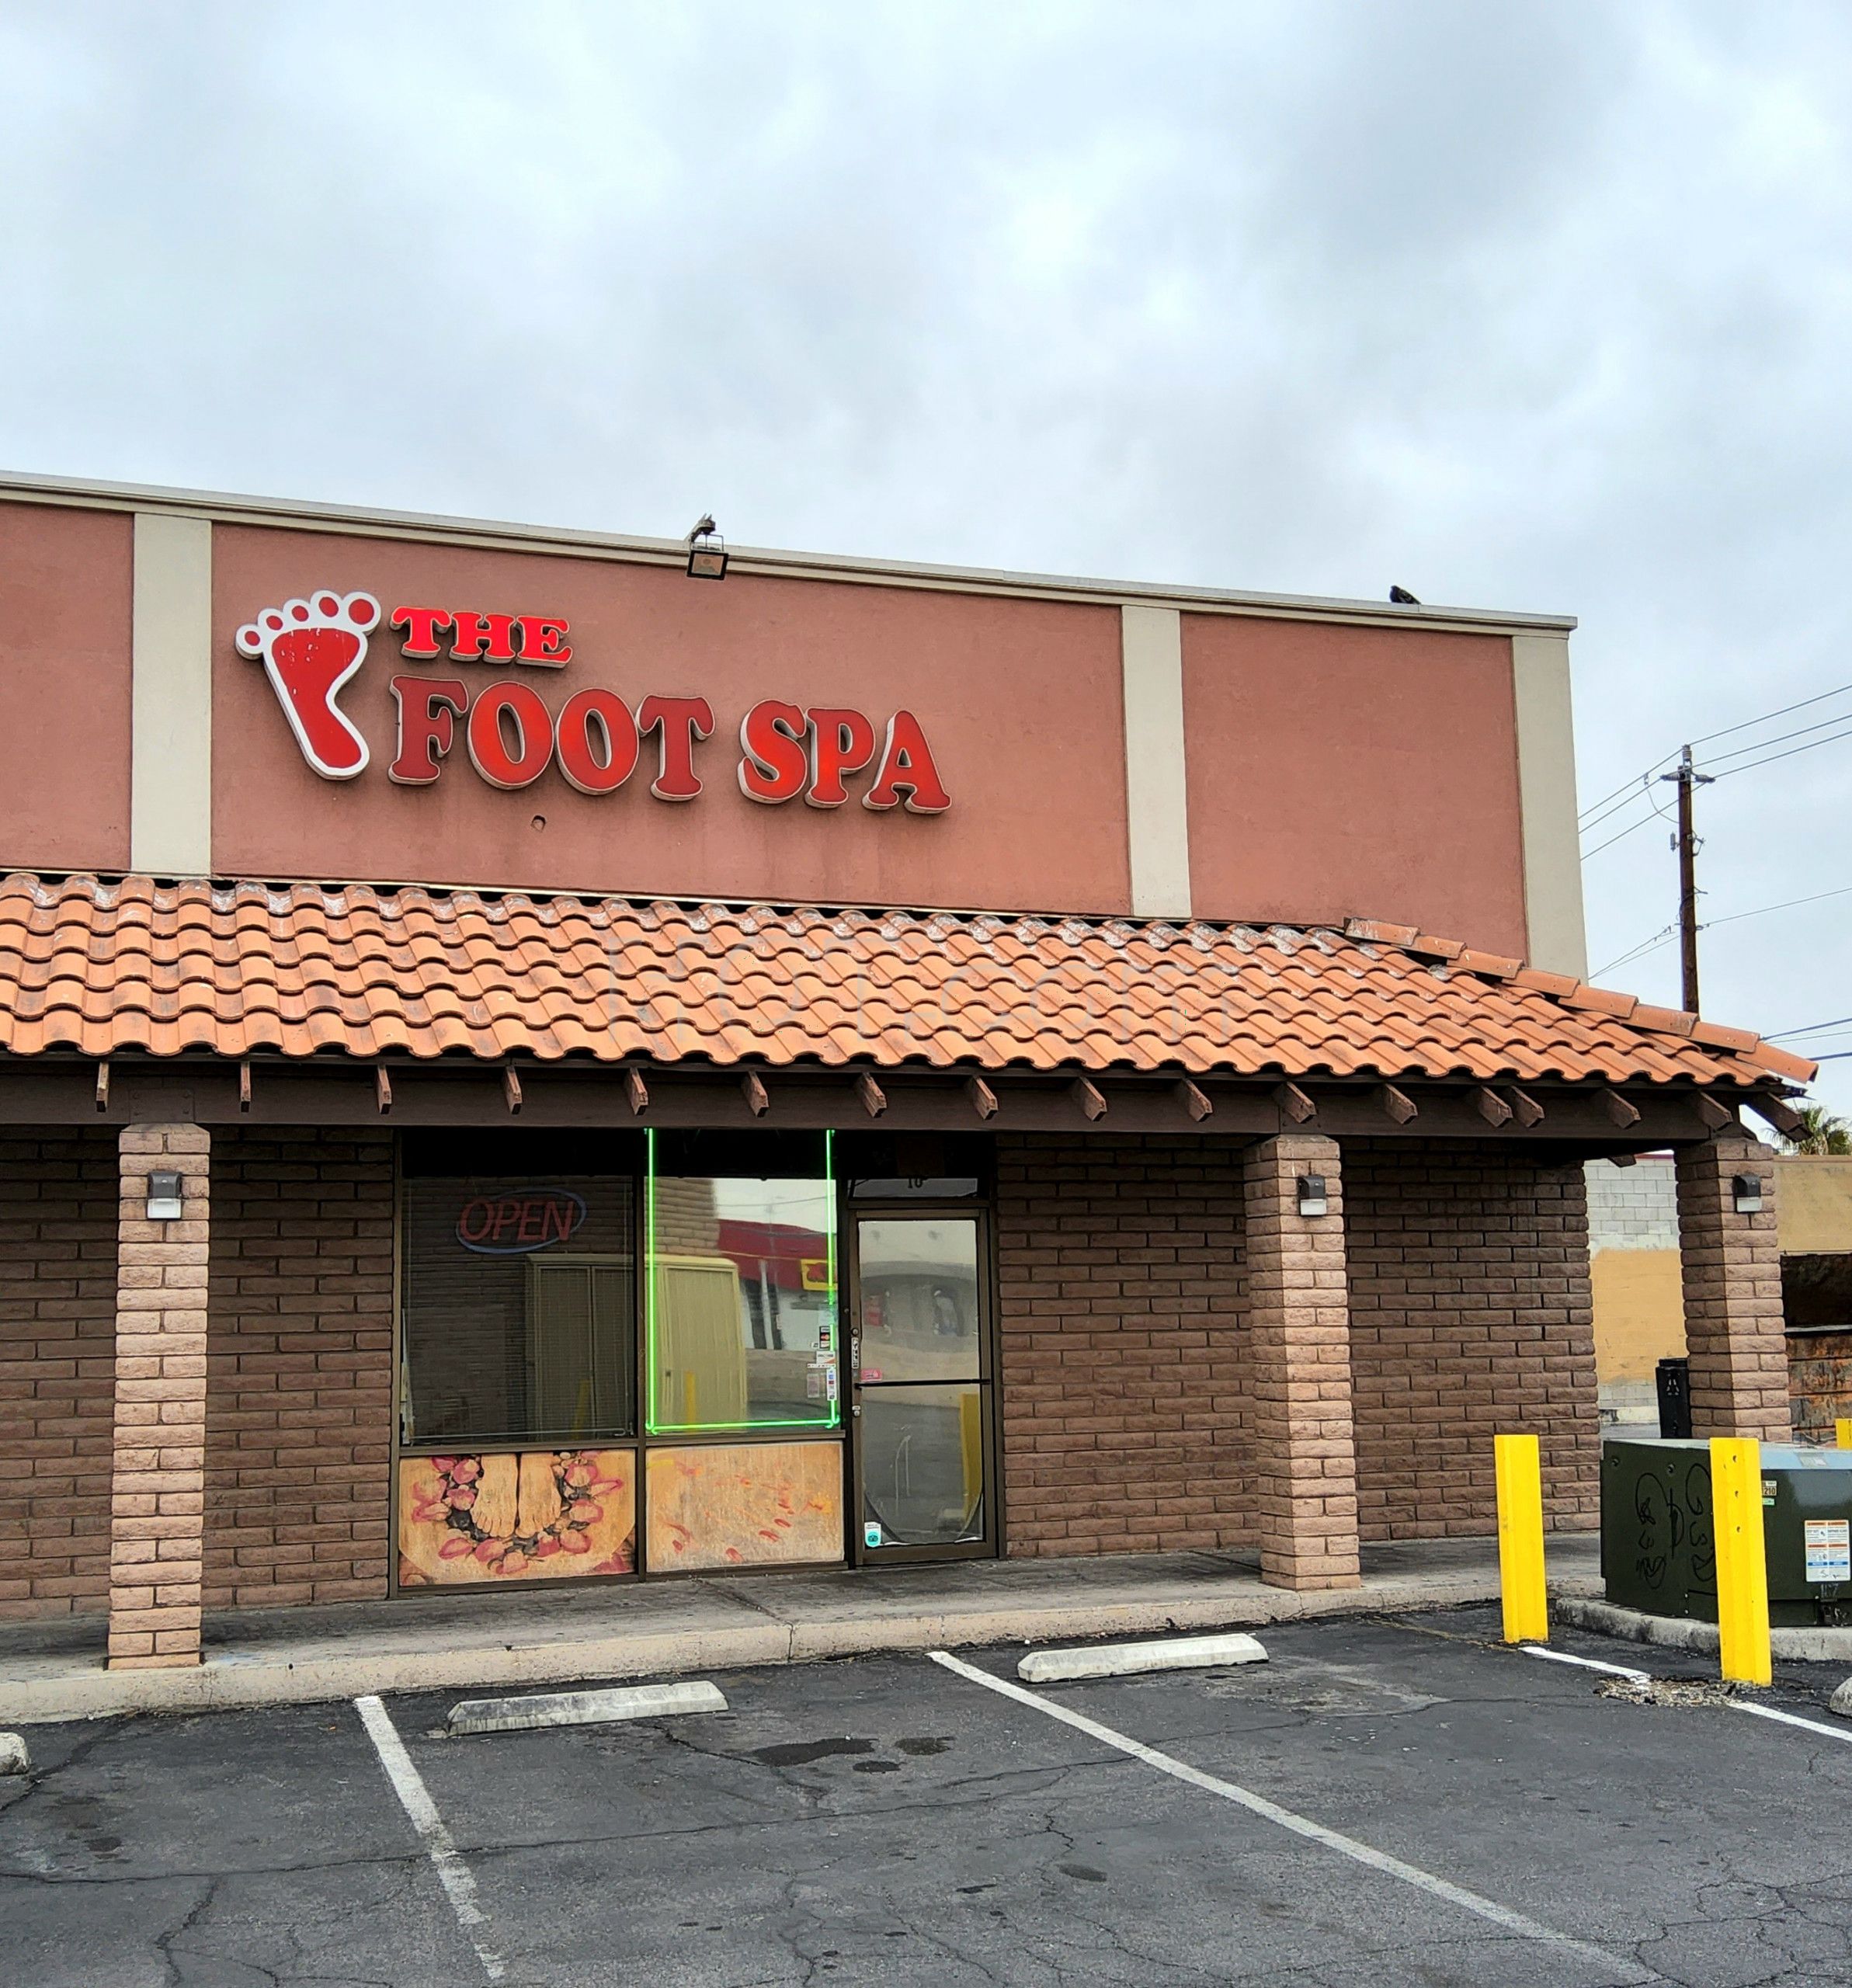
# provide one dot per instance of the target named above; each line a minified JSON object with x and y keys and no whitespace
{"x":1843,"y":1425}
{"x":1521,"y":1539}
{"x":1742,"y":1560}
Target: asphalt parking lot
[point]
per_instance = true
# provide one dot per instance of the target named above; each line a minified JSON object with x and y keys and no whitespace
{"x":1383,"y":1802}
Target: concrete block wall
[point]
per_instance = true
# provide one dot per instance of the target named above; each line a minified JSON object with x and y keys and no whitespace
{"x":1470,"y":1315}
{"x":57,"y":1367}
{"x":1129,"y":1367}
{"x":1124,"y":1349}
{"x":1128,"y":1370}
{"x":299,"y":1367}
{"x":1633,"y":1207}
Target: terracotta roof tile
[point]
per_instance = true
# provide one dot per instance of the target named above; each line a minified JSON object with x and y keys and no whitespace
{"x":245,"y":969}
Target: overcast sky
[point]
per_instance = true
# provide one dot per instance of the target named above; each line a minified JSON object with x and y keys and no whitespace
{"x":1530,"y":306}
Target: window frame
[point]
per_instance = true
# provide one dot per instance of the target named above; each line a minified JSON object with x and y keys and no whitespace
{"x":639,"y":1445}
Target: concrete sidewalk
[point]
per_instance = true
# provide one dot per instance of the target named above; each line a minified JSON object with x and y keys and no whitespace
{"x":55,"y":1671}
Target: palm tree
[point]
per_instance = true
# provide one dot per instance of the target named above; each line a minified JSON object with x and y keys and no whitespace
{"x":1821,"y":1132}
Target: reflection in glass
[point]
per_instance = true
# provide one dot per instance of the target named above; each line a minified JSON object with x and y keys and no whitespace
{"x":519,"y":1309}
{"x":743,"y":1302}
{"x":918,"y":1284}
{"x":922,"y":1465}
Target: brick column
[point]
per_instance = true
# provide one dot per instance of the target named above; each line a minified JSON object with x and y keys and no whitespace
{"x":1299,"y":1311}
{"x":1731,"y":1266}
{"x":157,"y":1520}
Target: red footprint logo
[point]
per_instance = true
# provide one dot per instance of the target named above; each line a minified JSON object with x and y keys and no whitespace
{"x":309,"y":649}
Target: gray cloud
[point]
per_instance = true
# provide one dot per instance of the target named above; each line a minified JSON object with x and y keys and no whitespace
{"x":1541,"y":306}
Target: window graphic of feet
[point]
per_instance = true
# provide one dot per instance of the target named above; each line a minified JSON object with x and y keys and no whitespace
{"x":309,"y":649}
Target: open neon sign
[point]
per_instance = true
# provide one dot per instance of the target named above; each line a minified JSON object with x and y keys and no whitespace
{"x":517,"y":1224}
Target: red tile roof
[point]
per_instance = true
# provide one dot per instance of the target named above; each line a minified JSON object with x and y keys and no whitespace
{"x":103,"y":969}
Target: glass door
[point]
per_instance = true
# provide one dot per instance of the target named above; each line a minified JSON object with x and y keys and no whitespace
{"x":919,"y":1367}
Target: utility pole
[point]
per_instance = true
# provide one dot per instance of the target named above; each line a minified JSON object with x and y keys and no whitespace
{"x":1687,"y":779}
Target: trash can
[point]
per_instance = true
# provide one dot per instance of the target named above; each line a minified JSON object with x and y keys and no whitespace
{"x":1674,"y":1379}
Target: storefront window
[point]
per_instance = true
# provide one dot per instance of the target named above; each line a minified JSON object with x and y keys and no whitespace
{"x":519,"y":1308}
{"x":742,"y":1318}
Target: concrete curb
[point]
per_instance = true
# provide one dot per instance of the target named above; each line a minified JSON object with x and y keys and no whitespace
{"x":549,"y":1708}
{"x":1054,"y":1666}
{"x":1814,"y":1645}
{"x":75,"y":1689}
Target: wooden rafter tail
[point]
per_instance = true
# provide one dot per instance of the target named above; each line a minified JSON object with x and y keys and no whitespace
{"x":382,"y":1089}
{"x":1490,"y":1107}
{"x":1087,"y":1094}
{"x":1529,"y":1111}
{"x":244,"y":1086}
{"x":758,"y":1101}
{"x":874,"y":1099}
{"x":1716,"y":1116}
{"x":511,"y":1089}
{"x":1398,"y":1104}
{"x":1786,"y":1121}
{"x":1294,"y":1102}
{"x":1195,"y":1102}
{"x":1623,"y":1159}
{"x":102,"y":1086}
{"x":1617,"y":1108}
{"x":983,"y":1099}
{"x":636,"y":1092}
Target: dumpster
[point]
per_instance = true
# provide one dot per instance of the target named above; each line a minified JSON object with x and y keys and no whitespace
{"x":1657,"y":1550}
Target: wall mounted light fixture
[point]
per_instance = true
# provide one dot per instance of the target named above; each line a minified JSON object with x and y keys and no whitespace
{"x":707,"y":552}
{"x":1746,"y":1191}
{"x":164,"y":1203}
{"x":1313,"y":1199}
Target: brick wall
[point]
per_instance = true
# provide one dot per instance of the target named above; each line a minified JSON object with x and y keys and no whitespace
{"x":299,"y":1367}
{"x":1124,"y":1353}
{"x":1126,"y":1365}
{"x":1470,"y":1313}
{"x":57,"y":1358}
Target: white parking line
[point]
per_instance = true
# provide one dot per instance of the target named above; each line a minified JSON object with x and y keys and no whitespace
{"x":1587,"y":1662}
{"x":1790,"y":1719}
{"x":1501,"y":1916}
{"x":447,"y":1860}
{"x":1735,"y":1704}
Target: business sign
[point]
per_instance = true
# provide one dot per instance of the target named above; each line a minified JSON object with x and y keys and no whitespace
{"x":511,"y":735}
{"x":517,"y":1225}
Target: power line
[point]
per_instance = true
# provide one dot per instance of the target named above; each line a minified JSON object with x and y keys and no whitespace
{"x":1645,"y":793}
{"x":1623,"y":797}
{"x":1659,"y":938}
{"x":1638,"y":952}
{"x":1763,"y":910}
{"x":1747,"y":725}
{"x":1749,"y":722}
{"x":1782,"y":737}
{"x":1788,"y":754}
{"x":1749,"y":766}
{"x":1645,"y":821}
{"x":1812,"y":1028}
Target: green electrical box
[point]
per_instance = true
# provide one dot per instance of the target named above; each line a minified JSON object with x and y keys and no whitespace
{"x":1657,"y":1554}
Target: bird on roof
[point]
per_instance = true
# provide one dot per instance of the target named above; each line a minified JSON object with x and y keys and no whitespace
{"x":1402,"y":598}
{"x":703,"y":525}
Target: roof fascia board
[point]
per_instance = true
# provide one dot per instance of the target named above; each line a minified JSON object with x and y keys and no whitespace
{"x":494,"y":536}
